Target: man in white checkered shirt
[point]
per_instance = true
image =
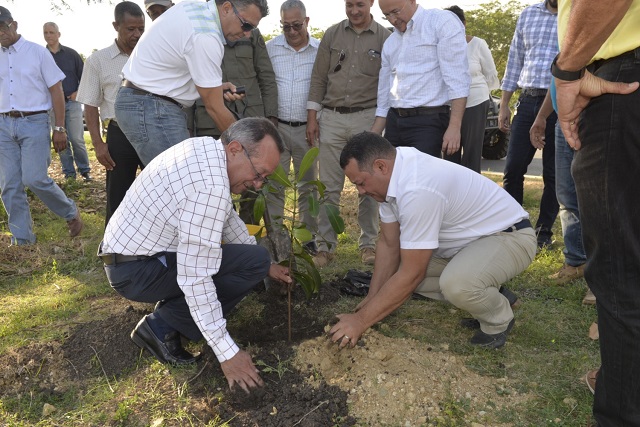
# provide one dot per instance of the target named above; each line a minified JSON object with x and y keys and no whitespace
{"x":164,"y":243}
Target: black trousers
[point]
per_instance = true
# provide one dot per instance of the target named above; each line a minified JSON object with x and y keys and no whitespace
{"x":124,"y":173}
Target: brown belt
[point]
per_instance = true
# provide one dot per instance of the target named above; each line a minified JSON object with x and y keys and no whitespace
{"x":420,"y":111}
{"x":345,"y":110}
{"x":16,"y":114}
{"x":138,"y":91}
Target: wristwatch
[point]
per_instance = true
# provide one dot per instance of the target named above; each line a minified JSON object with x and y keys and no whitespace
{"x":568,"y":76}
{"x":59,"y":129}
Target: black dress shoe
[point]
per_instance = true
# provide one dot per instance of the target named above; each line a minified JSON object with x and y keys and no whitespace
{"x":514,"y":302}
{"x":86,"y":177}
{"x":168,"y":351}
{"x":491,"y":340}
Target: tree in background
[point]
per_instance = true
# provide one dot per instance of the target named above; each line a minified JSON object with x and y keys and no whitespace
{"x":495,"y":22}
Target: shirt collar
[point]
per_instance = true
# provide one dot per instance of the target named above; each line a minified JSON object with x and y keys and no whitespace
{"x":282,"y":41}
{"x":16,"y":46}
{"x":373,"y":25}
{"x":114,"y":50}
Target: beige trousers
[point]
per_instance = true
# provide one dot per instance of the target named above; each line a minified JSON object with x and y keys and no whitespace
{"x":472,"y":278}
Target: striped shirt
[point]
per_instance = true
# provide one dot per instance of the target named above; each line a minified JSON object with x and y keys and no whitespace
{"x":101,"y":79}
{"x":426,"y":66}
{"x":293,"y":76}
{"x":533,"y":47}
{"x":181,"y":202}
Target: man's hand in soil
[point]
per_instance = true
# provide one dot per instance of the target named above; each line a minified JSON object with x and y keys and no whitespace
{"x":280,"y":273}
{"x":240,"y":370}
{"x":347,"y":331}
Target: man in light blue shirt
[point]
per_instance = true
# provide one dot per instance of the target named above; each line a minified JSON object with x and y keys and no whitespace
{"x":532,"y":50}
{"x":292,"y":54}
{"x":424,"y":79}
{"x":30,"y":84}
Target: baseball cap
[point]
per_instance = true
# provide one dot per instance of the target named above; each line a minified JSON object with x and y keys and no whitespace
{"x":149,"y":3}
{"x":5,"y":15}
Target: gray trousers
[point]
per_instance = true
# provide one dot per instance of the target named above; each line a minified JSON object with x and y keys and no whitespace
{"x":335,"y":130}
{"x":471,"y":279}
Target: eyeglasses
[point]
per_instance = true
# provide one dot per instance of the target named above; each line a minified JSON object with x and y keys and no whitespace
{"x":394,"y":13}
{"x":297,"y":27}
{"x":246,"y":26}
{"x":4,"y":28}
{"x":259,"y":177}
{"x":340,"y":59}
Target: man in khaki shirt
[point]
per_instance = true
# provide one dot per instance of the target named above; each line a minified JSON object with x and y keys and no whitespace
{"x":344,"y":85}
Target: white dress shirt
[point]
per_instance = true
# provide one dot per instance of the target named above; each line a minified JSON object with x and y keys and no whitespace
{"x":101,"y":80}
{"x":293,"y":76}
{"x":426,"y":66}
{"x":181,"y":202}
{"x":484,"y":76}
{"x":27,"y":71}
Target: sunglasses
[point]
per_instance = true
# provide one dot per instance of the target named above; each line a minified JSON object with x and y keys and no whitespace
{"x":297,"y":27}
{"x":340,"y":59}
{"x":246,"y":26}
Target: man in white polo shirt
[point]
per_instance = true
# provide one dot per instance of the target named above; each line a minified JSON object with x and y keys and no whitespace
{"x":176,"y":61}
{"x":439,"y":237}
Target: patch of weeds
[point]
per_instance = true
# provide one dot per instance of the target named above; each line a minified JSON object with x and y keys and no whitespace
{"x":280,"y":367}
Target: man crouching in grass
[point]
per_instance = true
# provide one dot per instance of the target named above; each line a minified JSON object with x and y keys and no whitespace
{"x":164,"y":244}
{"x":446,"y":232}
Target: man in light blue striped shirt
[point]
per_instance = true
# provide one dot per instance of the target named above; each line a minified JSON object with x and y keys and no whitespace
{"x":292,"y":55}
{"x":533,"y":47}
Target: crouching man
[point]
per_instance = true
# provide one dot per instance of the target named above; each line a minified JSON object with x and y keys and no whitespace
{"x":446,"y":233}
{"x":164,"y":244}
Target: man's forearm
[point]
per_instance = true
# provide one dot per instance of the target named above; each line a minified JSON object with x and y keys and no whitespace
{"x":92,"y":118}
{"x":505,"y":97}
{"x":57,"y":98}
{"x":458,"y":106}
{"x":591,"y":22}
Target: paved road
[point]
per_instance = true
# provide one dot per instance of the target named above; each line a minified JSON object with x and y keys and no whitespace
{"x":497,"y":166}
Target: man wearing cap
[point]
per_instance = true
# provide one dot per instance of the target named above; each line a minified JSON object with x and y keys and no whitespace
{"x":30,"y":84}
{"x":177,"y":61}
{"x":155,"y":8}
{"x":71,"y":65}
{"x":99,"y":86}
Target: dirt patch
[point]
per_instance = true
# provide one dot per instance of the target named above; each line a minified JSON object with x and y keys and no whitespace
{"x":382,"y":381}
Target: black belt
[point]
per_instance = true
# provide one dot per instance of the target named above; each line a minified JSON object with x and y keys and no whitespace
{"x":534,"y":92}
{"x":16,"y":114}
{"x":518,"y":226}
{"x":138,"y":91}
{"x":345,"y":110}
{"x":114,"y":259}
{"x":420,"y":111}
{"x":293,"y":124}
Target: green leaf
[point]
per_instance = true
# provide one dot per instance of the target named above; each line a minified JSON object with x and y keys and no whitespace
{"x":302,"y":234}
{"x":259,"y":207}
{"x":306,"y":283}
{"x":280,"y":176}
{"x":314,"y":205}
{"x":333,"y":213}
{"x":305,"y":259}
{"x":319,"y":186}
{"x":307,"y":161}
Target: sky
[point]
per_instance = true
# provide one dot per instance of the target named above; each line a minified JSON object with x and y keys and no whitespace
{"x":88,"y":27}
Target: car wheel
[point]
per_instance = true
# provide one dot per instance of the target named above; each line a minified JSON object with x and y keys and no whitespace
{"x":495,"y":145}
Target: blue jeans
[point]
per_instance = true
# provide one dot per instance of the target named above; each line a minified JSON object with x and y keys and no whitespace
{"x":76,"y":147}
{"x":606,"y":172}
{"x":519,"y":156}
{"x":568,"y":200}
{"x":25,"y":156}
{"x":151,"y":124}
{"x":242,"y":268}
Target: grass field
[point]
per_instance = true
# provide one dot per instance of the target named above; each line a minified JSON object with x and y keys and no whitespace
{"x":49,"y":288}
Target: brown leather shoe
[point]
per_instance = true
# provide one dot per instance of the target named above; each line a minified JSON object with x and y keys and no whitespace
{"x":589,"y":298}
{"x":590,"y":379}
{"x":75,"y":225}
{"x":322,"y":259}
{"x":567,"y":274}
{"x":368,"y":256}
